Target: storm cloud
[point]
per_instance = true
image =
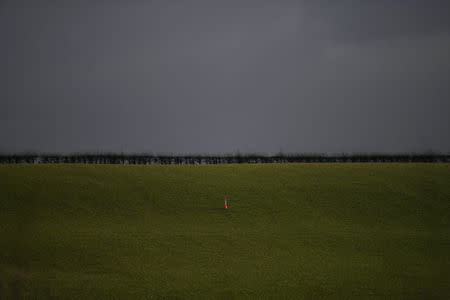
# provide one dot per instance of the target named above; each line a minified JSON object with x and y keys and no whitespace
{"x":221,"y":76}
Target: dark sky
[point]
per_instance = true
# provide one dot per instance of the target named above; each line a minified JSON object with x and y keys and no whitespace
{"x":221,"y":76}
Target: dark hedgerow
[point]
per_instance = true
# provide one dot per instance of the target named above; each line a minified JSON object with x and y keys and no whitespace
{"x":238,"y":158}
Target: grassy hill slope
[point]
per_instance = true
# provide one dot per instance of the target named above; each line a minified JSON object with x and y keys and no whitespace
{"x":291,"y":230}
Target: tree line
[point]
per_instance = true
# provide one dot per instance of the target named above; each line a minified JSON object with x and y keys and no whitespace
{"x":157,"y":159}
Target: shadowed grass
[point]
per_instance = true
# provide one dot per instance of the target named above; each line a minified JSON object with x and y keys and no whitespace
{"x":291,"y":230}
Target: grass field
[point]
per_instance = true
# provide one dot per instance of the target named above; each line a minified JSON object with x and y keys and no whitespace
{"x":304,"y":231}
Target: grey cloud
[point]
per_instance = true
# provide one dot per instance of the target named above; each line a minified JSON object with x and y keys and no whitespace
{"x":359,"y":21}
{"x":220,"y":76}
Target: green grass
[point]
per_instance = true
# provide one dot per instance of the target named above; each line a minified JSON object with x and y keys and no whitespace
{"x":304,"y":231}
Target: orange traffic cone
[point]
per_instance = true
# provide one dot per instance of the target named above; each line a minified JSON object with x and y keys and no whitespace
{"x":225,"y":203}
